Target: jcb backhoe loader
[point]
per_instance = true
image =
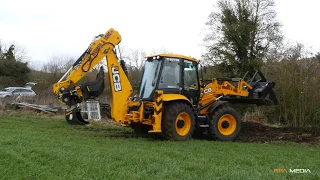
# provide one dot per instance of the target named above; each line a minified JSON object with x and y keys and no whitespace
{"x":172,"y":99}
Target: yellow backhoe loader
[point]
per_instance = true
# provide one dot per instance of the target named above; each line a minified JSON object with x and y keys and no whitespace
{"x":172,"y":99}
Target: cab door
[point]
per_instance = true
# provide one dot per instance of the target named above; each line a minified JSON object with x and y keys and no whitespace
{"x":191,"y":81}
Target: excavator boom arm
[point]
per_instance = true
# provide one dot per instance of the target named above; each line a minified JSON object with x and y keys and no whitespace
{"x":102,"y":47}
{"x":92,"y":56}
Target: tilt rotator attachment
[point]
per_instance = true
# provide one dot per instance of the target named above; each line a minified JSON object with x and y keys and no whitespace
{"x":83,"y":92}
{"x":261,"y":93}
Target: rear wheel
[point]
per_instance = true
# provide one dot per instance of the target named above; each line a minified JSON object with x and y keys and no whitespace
{"x":225,"y":124}
{"x":178,"y":121}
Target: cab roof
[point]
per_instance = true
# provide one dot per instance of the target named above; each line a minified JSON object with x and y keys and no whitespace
{"x":175,"y":56}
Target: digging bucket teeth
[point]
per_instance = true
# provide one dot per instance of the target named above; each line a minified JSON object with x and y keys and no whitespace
{"x":261,"y":94}
{"x":74,"y":117}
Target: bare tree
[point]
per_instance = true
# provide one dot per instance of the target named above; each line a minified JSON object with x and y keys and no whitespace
{"x":20,"y":52}
{"x":14,"y":68}
{"x":136,"y":59}
{"x":58,"y":64}
{"x":161,"y":51}
{"x":297,"y":77}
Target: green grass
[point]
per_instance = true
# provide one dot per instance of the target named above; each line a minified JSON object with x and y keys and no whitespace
{"x":38,"y":147}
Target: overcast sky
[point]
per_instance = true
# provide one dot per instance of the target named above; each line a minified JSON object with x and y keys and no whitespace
{"x":66,"y":27}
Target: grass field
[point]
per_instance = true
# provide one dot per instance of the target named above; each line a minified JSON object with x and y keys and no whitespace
{"x":40,"y":147}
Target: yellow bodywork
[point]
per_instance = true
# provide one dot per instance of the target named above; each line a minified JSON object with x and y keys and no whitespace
{"x":174,"y":56}
{"x":98,"y":50}
{"x":225,"y":88}
{"x":120,"y":86}
{"x":175,"y":97}
{"x":121,"y":89}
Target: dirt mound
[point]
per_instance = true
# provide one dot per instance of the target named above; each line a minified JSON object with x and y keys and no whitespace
{"x":256,"y":132}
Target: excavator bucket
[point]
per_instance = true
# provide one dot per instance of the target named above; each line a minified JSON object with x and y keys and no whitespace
{"x":261,"y":94}
{"x":74,"y":117}
{"x":90,"y":90}
{"x":94,"y":89}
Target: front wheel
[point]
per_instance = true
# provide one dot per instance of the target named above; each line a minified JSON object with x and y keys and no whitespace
{"x":178,"y":121}
{"x":225,"y":124}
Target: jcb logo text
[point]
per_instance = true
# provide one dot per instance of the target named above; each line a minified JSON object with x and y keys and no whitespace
{"x":116,"y":78}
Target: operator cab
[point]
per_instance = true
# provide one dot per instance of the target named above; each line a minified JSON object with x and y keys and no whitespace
{"x":174,"y":74}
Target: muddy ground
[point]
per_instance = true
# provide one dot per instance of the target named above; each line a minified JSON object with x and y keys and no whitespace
{"x":256,"y":132}
{"x":250,"y":132}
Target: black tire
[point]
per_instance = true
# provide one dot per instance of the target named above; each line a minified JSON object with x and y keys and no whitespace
{"x":225,"y":124}
{"x":174,"y":128}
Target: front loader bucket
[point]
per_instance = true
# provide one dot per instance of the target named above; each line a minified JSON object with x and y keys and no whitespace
{"x":261,"y":94}
{"x":74,"y":117}
{"x":264,"y":93}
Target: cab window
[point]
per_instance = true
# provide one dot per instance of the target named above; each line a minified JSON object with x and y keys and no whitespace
{"x":190,"y":75}
{"x":170,"y":75}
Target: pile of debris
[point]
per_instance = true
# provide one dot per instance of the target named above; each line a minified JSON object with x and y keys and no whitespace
{"x":39,"y":108}
{"x":257,"y":132}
